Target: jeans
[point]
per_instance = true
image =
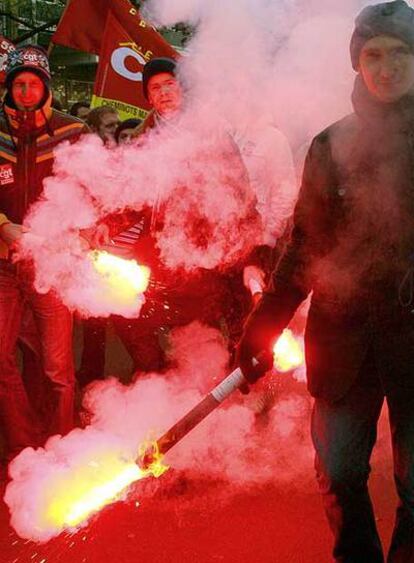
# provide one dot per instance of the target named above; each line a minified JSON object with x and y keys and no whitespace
{"x":92,"y":366}
{"x":344,"y":434}
{"x":143,"y":343}
{"x":54,"y":324}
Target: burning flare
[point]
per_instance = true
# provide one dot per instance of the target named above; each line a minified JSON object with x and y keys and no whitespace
{"x":78,"y":493}
{"x":287,"y":352}
{"x":125,"y":278}
{"x":96,"y":485}
{"x":77,"y":497}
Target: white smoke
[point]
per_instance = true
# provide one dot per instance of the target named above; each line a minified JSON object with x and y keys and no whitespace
{"x":196,"y":177}
{"x":255,"y":68}
{"x":285,"y":63}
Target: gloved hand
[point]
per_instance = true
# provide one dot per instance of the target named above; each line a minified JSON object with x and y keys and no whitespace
{"x":254,"y":352}
{"x":262,"y":329}
{"x":253,"y":363}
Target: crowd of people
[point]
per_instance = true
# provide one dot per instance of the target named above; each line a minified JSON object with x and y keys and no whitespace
{"x":40,"y":326}
{"x":350,"y":246}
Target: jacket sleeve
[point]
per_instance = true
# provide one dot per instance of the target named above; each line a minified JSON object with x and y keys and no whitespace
{"x":4,"y":249}
{"x":3,"y":219}
{"x":291,"y":281}
{"x":238,"y":180}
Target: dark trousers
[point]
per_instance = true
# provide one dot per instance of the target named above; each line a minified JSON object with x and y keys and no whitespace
{"x":92,"y":365}
{"x":144,"y":342}
{"x":344,"y":434}
{"x":54,"y":325}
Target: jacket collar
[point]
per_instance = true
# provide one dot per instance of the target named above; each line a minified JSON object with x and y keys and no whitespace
{"x":24,"y":122}
{"x":397,"y":116}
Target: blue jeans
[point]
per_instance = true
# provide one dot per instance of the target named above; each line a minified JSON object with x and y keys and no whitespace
{"x":344,"y":434}
{"x":54,"y":324}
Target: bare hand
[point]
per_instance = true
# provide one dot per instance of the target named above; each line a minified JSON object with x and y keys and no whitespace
{"x":254,"y":279}
{"x":101,"y":236}
{"x":96,"y":237}
{"x":11,"y":233}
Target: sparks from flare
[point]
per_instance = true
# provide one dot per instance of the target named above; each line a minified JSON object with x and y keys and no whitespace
{"x":287,"y":353}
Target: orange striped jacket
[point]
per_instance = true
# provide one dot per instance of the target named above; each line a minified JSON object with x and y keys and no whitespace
{"x":27,"y":142}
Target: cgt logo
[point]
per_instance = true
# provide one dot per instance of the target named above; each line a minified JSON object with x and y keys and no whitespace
{"x":6,"y":174}
{"x":118,"y":62}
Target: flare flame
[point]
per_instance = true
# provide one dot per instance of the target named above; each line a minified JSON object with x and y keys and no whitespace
{"x":287,"y":353}
{"x":125,"y":278}
{"x":75,"y":498}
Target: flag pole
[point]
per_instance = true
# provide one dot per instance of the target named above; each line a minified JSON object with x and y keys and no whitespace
{"x":50,"y":48}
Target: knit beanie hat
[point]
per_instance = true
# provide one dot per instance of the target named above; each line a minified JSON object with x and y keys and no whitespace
{"x":30,"y":58}
{"x":6,"y":47}
{"x":389,"y":18}
{"x":155,"y":66}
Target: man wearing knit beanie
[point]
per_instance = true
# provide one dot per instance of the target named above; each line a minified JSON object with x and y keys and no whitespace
{"x":175,"y":297}
{"x":352,"y":247}
{"x":162,"y":88}
{"x":29,"y":132}
{"x":381,"y":49}
{"x":157,"y":65}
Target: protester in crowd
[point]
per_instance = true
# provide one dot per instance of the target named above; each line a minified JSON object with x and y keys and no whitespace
{"x":103,"y":121}
{"x":30,"y":131}
{"x":126,"y":130}
{"x":174,"y":298}
{"x":268,"y":159}
{"x":80,"y":110}
{"x":352,"y":245}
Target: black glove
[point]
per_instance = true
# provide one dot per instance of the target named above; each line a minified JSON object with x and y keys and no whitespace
{"x":254,"y":352}
{"x":253,"y":365}
{"x":262,"y":328}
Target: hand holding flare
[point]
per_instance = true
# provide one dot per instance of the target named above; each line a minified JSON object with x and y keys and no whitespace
{"x":120,"y":283}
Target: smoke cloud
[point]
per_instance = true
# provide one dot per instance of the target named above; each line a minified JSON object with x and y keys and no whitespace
{"x":200,"y":183}
{"x":234,"y":443}
{"x":254,"y":69}
{"x":284,"y":63}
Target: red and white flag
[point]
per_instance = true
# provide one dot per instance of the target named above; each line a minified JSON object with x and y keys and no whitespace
{"x":115,"y":31}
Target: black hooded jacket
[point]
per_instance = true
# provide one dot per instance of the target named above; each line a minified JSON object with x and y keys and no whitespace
{"x":352,"y":245}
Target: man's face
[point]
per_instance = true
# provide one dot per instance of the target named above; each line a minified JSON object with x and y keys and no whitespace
{"x":27,"y":91}
{"x":164,"y":93}
{"x":387,"y":67}
{"x":109,"y":123}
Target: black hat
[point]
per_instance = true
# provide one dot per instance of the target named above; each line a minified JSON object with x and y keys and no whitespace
{"x":389,"y":18}
{"x":157,"y":66}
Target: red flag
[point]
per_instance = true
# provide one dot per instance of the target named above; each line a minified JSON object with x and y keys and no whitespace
{"x":122,"y":57}
{"x":124,"y":41}
{"x":83,"y":23}
{"x":6,"y":47}
{"x":119,"y":78}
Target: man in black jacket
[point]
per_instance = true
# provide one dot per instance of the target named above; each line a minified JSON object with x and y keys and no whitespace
{"x":352,"y":245}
